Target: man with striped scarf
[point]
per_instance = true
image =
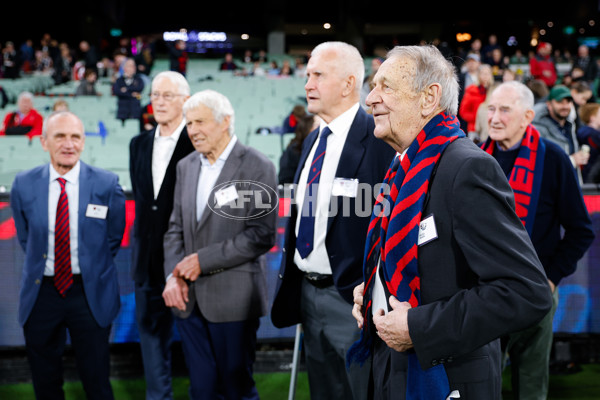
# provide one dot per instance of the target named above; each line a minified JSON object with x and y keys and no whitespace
{"x":448,"y":266}
{"x":550,"y":204}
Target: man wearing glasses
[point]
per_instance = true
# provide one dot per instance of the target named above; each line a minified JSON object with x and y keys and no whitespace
{"x":153,"y":156}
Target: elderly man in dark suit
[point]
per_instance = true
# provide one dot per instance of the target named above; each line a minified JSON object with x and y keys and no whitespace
{"x":449,"y":267}
{"x":224,"y":220}
{"x":153,"y":156}
{"x":551,"y":206}
{"x":70,"y":219}
{"x":323,"y":255}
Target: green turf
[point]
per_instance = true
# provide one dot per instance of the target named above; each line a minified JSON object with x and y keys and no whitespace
{"x":272,"y":386}
{"x":583,"y":385}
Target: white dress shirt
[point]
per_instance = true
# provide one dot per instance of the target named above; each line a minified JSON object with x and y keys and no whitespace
{"x":162,"y":150}
{"x":318,"y":260}
{"x":379,"y":300}
{"x":209,"y":173}
{"x":72,"y":189}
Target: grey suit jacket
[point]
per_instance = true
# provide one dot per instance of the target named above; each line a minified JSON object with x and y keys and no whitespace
{"x":230,"y":239}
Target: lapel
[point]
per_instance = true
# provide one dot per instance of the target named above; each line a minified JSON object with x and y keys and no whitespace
{"x":146,"y":147}
{"x":228,"y":173}
{"x":178,"y":153}
{"x":188,"y":202}
{"x":354,"y":148}
{"x":86,"y":183}
{"x":306,"y":147}
{"x":352,"y":154}
{"x":40,"y":185}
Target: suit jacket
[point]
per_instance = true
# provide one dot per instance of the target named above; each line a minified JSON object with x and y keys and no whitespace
{"x":364,"y":158}
{"x":99,"y":239}
{"x":230,"y":247}
{"x":481,"y":277}
{"x":151,"y":215}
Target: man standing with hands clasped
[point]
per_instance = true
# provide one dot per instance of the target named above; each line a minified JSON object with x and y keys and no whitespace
{"x":325,"y":236}
{"x":548,"y":199}
{"x":70,"y":219}
{"x":449,"y":267}
{"x":223,"y":222}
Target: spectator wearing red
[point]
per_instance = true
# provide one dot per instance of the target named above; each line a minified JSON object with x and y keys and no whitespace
{"x":542,"y":65}
{"x":475,"y":95}
{"x":25,"y":121}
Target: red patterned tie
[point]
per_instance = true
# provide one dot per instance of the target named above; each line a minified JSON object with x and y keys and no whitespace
{"x":63,"y":276}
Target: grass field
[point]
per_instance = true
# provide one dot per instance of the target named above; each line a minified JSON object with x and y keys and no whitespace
{"x":583,"y":385}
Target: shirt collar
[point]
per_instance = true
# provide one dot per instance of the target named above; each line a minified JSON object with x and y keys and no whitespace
{"x":343,"y":122}
{"x":224,"y":155}
{"x":176,"y":133}
{"x":72,"y":176}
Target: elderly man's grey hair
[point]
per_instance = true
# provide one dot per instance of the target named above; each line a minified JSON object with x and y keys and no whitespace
{"x":183,"y":87}
{"x":432,"y":67}
{"x":219,"y":105}
{"x":353,"y":64}
{"x":58,"y":114}
{"x":525,"y":100}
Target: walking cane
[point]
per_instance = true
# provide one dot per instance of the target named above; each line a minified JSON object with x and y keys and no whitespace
{"x":295,"y":362}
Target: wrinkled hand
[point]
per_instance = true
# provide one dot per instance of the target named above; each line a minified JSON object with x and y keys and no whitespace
{"x":175,"y":293}
{"x":358,"y":302}
{"x":393,"y":327}
{"x":552,"y":285}
{"x":188,"y":268}
{"x":580,"y":158}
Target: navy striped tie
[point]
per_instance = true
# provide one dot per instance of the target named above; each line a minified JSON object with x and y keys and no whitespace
{"x":306,"y":230}
{"x":63,"y":276}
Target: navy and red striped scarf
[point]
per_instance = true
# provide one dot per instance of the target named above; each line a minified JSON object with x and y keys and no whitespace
{"x":392,"y":239}
{"x":526,"y":175}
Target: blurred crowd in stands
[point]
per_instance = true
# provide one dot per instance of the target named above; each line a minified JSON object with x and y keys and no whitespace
{"x":481,"y":64}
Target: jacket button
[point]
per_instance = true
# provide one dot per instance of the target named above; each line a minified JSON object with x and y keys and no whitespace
{"x":37,"y":281}
{"x":154,"y":208}
{"x":434,"y":362}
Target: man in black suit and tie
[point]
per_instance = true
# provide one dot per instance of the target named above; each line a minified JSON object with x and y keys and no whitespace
{"x":323,"y":250}
{"x":449,"y":267}
{"x":153,"y":156}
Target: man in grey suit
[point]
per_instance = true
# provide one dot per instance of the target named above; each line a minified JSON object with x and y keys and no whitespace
{"x":221,"y":226}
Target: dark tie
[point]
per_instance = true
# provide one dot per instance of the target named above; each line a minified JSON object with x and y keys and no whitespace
{"x":306,"y":230}
{"x":63,"y":276}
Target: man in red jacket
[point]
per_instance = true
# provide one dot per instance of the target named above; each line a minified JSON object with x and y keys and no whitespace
{"x":25,"y":121}
{"x":542,"y":66}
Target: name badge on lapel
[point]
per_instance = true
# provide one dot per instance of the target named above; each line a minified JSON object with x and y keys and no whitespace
{"x":226,"y":195}
{"x":344,"y":187}
{"x":96,"y":211}
{"x":427,"y":231}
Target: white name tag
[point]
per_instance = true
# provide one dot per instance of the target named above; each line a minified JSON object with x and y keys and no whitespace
{"x":226,"y":195}
{"x":344,"y":187}
{"x":427,"y":231}
{"x":96,"y":211}
{"x":454,"y":395}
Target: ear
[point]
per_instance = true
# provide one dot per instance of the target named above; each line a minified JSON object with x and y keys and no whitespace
{"x":350,"y":84}
{"x":43,"y":142}
{"x":529,"y":114}
{"x":430,"y":99}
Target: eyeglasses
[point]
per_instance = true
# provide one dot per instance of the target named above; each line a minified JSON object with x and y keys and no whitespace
{"x":168,"y":96}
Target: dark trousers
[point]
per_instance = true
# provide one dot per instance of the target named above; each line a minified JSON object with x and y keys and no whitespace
{"x":155,"y":325}
{"x":219,"y":357}
{"x":45,"y":338}
{"x":329,"y":331}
